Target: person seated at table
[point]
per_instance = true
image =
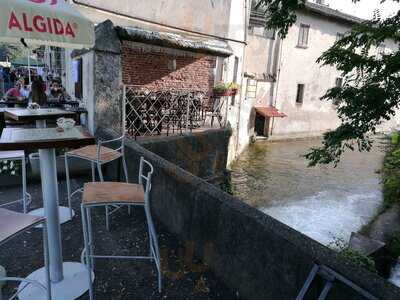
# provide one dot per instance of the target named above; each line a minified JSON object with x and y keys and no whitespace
{"x":14,"y":92}
{"x":37,"y":94}
{"x":55,"y":90}
{"x":24,"y":91}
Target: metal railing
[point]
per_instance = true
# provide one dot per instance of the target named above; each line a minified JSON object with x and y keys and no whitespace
{"x":149,"y":112}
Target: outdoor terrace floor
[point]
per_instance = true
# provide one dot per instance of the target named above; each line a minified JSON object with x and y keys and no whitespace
{"x":115,"y":279}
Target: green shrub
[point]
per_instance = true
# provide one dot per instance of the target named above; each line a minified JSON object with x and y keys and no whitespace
{"x":394,"y":245}
{"x":356,"y":257}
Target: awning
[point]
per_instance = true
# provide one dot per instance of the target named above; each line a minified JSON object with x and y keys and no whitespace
{"x":269,"y":112}
{"x":45,"y":22}
{"x":23,"y":62}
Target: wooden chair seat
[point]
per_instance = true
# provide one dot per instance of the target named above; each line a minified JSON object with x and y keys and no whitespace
{"x":112,"y":192}
{"x":90,"y":153}
{"x":12,"y":223}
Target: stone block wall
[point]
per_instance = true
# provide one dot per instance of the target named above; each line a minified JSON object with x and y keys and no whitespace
{"x":251,"y":252}
{"x":203,"y":154}
{"x":157,"y":67}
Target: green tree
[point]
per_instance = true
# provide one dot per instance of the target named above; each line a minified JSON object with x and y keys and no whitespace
{"x":370,"y":94}
{"x":10,"y":51}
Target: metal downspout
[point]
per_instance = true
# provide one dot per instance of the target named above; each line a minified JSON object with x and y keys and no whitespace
{"x":242,"y":78}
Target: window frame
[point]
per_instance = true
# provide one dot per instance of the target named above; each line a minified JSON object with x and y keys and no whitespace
{"x":302,"y":29}
{"x":301,"y":87}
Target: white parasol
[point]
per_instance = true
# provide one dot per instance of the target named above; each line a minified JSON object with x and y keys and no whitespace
{"x":44,"y":22}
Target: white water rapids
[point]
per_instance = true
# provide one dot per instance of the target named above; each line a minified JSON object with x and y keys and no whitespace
{"x":323,"y":202}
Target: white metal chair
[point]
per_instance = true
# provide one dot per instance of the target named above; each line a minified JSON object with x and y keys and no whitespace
{"x":18,"y":156}
{"x":99,"y":194}
{"x":97,"y":155}
{"x":13,"y":224}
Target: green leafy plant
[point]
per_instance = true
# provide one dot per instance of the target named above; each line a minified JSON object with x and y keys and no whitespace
{"x":223,"y":87}
{"x":10,"y":167}
{"x":357,"y":258}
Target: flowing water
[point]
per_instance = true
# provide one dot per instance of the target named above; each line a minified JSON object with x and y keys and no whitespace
{"x":323,"y":202}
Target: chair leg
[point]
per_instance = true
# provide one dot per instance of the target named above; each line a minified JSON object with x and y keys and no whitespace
{"x":86,"y":247}
{"x":93,"y":172}
{"x":107,"y":208}
{"x":68,"y":186}
{"x":46,"y":261}
{"x":154,"y":248}
{"x":24,"y":191}
{"x":126,"y":179}
{"x":90,"y":236}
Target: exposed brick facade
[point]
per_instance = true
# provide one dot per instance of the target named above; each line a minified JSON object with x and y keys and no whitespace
{"x":153,"y":67}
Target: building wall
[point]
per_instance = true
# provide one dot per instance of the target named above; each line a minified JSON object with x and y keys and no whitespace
{"x":163,"y":68}
{"x":295,"y":65}
{"x":298,"y":66}
{"x":207,"y":17}
{"x":224,"y":19}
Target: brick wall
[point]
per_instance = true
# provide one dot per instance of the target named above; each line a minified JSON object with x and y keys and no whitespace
{"x":152,"y":66}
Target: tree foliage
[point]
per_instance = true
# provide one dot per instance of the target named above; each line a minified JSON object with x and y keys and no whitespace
{"x":370,"y":94}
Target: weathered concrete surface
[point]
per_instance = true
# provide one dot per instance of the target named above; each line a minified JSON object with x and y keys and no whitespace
{"x":386,"y":225}
{"x":253,"y":253}
{"x":208,"y":17}
{"x":203,"y":154}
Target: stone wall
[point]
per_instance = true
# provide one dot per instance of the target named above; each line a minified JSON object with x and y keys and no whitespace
{"x":163,"y":68}
{"x":251,"y":252}
{"x":203,"y":154}
{"x":107,"y":90}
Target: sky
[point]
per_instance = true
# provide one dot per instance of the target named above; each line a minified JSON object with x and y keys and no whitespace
{"x":365,"y":8}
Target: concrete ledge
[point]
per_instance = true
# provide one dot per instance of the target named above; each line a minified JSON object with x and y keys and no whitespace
{"x":203,"y":154}
{"x":252,"y":253}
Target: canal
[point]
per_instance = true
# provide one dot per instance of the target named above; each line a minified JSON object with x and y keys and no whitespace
{"x":322,"y":202}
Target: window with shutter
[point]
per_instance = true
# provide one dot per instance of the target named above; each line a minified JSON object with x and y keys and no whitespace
{"x":303,"y":36}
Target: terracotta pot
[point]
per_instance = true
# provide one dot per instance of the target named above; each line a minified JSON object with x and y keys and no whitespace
{"x":225,"y":93}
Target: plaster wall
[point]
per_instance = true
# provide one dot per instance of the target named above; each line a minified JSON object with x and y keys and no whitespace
{"x":296,"y":65}
{"x":207,"y":16}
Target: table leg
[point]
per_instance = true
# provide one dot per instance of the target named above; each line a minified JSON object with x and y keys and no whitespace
{"x":50,"y":200}
{"x":68,"y":279}
{"x":64,"y":212}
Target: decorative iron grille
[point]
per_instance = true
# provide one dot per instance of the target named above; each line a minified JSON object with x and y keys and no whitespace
{"x":148,"y":112}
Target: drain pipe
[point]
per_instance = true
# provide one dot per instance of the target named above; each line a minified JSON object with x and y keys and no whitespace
{"x":277,"y":82}
{"x":242,"y":77}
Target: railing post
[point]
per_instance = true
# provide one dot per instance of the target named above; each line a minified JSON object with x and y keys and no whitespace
{"x":187,"y":112}
{"x":123,"y":109}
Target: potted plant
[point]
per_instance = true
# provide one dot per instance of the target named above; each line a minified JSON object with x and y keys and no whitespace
{"x":225,"y":89}
{"x":10,"y":172}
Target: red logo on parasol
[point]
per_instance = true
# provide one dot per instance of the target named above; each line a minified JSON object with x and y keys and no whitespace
{"x":52,"y":2}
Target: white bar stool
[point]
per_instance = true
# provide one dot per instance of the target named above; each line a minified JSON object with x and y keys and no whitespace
{"x":97,"y":155}
{"x":100,"y":194}
{"x":13,"y":224}
{"x":26,"y":197}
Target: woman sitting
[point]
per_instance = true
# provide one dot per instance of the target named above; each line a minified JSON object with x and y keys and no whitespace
{"x":37,"y":94}
{"x":15,"y":91}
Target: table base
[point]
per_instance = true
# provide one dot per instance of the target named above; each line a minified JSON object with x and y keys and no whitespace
{"x":63,"y":213}
{"x":73,"y":286}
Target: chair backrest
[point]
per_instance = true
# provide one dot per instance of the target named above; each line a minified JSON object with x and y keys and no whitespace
{"x":145,"y":172}
{"x":120,"y":145}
